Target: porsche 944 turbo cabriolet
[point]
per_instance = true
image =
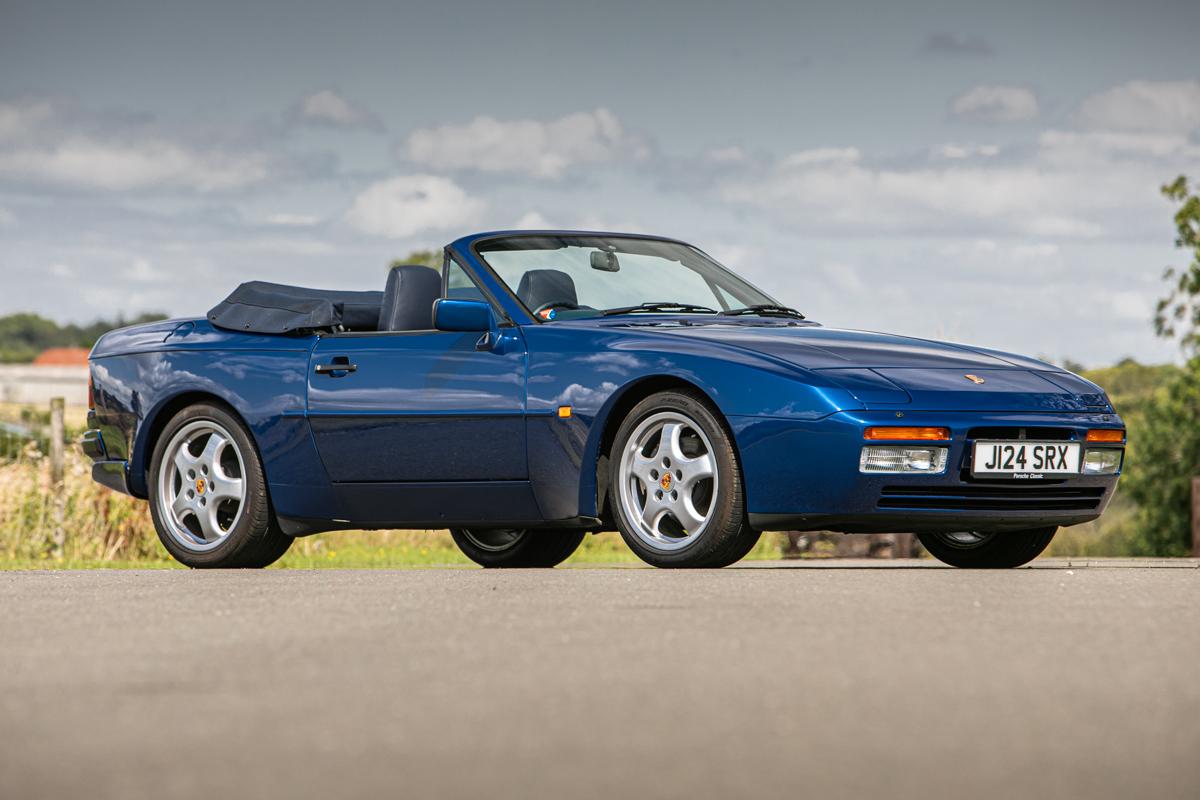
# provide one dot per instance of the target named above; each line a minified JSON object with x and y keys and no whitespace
{"x":543,"y":385}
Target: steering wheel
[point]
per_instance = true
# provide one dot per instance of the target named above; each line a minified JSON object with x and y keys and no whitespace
{"x":566,"y":305}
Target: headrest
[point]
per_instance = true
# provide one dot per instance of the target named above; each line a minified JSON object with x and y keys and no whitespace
{"x":408,"y":299}
{"x":541,"y":286}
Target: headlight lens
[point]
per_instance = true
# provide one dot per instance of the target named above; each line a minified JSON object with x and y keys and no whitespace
{"x":927,"y":460}
{"x":1102,"y":461}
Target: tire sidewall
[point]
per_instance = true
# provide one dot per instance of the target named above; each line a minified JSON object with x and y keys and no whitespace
{"x":532,"y":549}
{"x":726,"y":506}
{"x":257,"y":506}
{"x":1002,"y":550}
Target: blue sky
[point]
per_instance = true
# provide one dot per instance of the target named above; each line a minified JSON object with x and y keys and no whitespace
{"x":979,"y":172}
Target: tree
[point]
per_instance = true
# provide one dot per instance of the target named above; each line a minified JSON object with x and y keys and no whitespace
{"x":1178,"y":314}
{"x":1164,"y":438}
{"x":428,"y":258}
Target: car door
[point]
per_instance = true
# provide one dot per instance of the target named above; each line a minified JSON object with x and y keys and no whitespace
{"x":423,"y":426}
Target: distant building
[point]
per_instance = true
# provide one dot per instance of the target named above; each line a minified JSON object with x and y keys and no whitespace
{"x":62,"y":357}
{"x":57,"y":372}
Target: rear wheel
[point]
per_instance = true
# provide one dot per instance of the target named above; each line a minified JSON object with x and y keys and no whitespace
{"x":995,"y":550}
{"x":676,"y":485}
{"x":516,"y":547}
{"x":208,"y":493}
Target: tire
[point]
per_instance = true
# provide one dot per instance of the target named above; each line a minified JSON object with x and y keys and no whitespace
{"x":676,"y":485}
{"x":1000,"y":550}
{"x":517,"y":548}
{"x":208,"y":493}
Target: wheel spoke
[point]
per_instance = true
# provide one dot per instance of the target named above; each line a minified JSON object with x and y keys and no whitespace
{"x":184,"y":461}
{"x":223,"y":488}
{"x":669,"y":445}
{"x":642,"y":465}
{"x":689,"y":518}
{"x":207,"y":516}
{"x":697,"y":469}
{"x":212,"y":451}
{"x":651,"y":514}
{"x":181,"y":505}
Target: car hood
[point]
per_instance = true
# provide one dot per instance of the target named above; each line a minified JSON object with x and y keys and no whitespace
{"x":884,"y":370}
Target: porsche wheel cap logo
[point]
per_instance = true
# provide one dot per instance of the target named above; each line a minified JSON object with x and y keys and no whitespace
{"x":200,"y":485}
{"x":665,"y":482}
{"x":973,"y":378}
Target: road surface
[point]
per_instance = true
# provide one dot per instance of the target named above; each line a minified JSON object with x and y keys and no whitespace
{"x":827,"y":680}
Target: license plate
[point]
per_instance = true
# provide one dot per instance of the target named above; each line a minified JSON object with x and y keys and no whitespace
{"x":1025,"y":459}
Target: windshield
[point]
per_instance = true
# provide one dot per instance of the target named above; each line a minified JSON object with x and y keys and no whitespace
{"x":564,"y":276}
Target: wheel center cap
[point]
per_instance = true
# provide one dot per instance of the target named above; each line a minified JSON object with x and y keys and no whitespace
{"x":201,"y":485}
{"x":665,"y":482}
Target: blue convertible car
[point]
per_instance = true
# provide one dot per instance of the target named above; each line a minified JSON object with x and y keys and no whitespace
{"x":543,"y":385}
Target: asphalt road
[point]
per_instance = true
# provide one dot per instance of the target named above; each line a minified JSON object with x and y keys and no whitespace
{"x":794,"y":681}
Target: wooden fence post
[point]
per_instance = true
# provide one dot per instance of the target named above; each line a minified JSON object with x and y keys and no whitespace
{"x":1196,"y":517}
{"x":57,"y":471}
{"x":57,"y":433}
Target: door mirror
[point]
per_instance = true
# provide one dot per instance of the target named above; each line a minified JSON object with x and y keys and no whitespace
{"x":461,"y":315}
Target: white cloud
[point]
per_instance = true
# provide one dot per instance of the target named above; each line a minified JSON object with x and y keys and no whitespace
{"x":1097,"y":147}
{"x":1000,"y":103}
{"x":409,"y":204}
{"x":822,"y":155}
{"x":540,"y":149}
{"x":19,"y":119}
{"x":959,"y":152}
{"x":85,"y":162}
{"x":41,"y":143}
{"x":327,"y":107}
{"x":732,"y":154}
{"x":292,"y":220}
{"x":142,"y":271}
{"x":6,"y":218}
{"x":956,"y":199}
{"x":62,"y":271}
{"x":532,"y":220}
{"x":1145,"y":106}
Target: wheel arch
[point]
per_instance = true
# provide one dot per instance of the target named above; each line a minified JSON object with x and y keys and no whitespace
{"x":609,"y":420}
{"x":156,"y":422}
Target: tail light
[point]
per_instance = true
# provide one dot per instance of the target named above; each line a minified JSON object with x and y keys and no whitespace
{"x":91,"y":393}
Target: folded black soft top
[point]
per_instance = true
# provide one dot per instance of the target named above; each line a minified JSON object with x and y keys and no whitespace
{"x":260,"y":307}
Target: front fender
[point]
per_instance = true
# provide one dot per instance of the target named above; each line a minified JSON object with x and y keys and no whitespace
{"x":594,"y":373}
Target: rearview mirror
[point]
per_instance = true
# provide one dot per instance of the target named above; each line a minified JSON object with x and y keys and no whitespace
{"x":605,"y":261}
{"x":461,"y":315}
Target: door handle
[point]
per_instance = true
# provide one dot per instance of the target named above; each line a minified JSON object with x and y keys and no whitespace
{"x":339,"y":367}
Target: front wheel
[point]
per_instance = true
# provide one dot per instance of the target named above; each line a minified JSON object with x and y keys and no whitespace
{"x":997,"y":550}
{"x":677,"y":490}
{"x":516,"y":547}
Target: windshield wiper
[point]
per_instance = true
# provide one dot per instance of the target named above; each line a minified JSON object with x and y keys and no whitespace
{"x":764,"y":309}
{"x":660,"y":306}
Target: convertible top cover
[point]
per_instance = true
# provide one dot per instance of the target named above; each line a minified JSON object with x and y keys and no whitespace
{"x":260,"y":307}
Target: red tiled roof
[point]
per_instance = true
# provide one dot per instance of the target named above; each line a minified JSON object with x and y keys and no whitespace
{"x":62,"y":356}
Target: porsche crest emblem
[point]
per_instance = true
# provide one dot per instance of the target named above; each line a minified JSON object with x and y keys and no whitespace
{"x":665,"y":482}
{"x":974,"y":378}
{"x":201,"y":485}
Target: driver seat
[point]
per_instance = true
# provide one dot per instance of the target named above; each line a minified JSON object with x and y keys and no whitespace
{"x":408,"y":299}
{"x":541,"y":286}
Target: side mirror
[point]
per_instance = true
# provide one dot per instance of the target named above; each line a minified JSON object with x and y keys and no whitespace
{"x":461,"y":315}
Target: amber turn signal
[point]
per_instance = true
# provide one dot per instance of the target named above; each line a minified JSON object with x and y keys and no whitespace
{"x":1109,"y":435}
{"x":892,"y":434}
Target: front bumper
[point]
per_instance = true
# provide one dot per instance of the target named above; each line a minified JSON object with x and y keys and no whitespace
{"x":804,"y":475}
